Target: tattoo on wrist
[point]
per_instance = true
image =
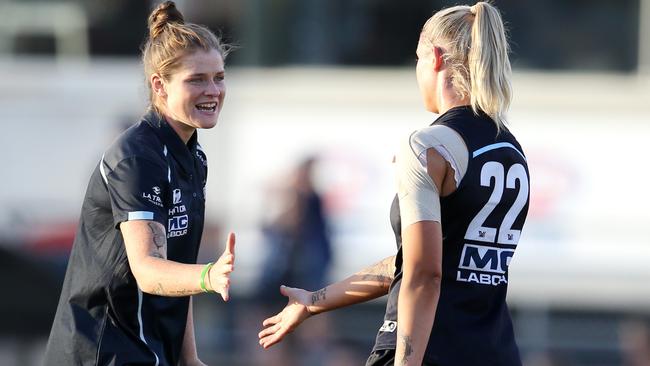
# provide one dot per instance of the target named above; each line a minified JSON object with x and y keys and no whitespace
{"x":407,"y":346}
{"x":318,"y":295}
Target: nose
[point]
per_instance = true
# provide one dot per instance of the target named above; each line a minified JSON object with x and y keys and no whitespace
{"x":214,"y":88}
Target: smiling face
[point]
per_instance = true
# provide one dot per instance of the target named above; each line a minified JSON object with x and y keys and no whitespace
{"x":193,"y":95}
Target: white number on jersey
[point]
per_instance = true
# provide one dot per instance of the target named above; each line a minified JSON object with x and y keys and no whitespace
{"x":476,"y":230}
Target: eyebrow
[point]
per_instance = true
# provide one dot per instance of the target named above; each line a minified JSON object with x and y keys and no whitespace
{"x":205,"y":73}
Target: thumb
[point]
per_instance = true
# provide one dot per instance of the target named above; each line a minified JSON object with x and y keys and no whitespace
{"x":286,"y":291}
{"x":230,"y":244}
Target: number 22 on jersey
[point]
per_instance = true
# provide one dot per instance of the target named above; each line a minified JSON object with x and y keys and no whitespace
{"x":493,"y":170}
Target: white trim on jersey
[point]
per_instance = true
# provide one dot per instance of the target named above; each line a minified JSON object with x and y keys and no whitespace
{"x":496,"y":146}
{"x":102,"y":171}
{"x":139,"y":215}
{"x":169,"y":170}
{"x":140,"y":324}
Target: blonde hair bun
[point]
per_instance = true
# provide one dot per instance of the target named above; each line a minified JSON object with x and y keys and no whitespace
{"x":164,"y":14}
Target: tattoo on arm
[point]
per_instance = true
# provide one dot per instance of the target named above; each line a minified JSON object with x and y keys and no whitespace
{"x":160,"y":251}
{"x":159,"y":241}
{"x":160,"y":291}
{"x":318,"y":295}
{"x":383,"y":272}
{"x":407,"y":345}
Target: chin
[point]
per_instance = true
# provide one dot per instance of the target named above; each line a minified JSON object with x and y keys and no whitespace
{"x":208,"y":125}
{"x":206,"y":122}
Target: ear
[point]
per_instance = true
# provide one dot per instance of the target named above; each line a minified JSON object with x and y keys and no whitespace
{"x":158,"y":85}
{"x":438,"y":61}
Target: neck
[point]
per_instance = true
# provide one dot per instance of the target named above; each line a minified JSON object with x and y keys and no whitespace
{"x":183,"y":131}
{"x":447,"y":96}
{"x":447,"y":105}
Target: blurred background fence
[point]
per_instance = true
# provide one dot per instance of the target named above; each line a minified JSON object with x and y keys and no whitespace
{"x":334,"y":81}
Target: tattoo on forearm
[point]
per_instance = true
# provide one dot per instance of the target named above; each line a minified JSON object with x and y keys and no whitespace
{"x":318,"y":295}
{"x":383,"y":272}
{"x":160,"y":291}
{"x":160,"y":242}
{"x":407,"y":346}
{"x":384,"y":280}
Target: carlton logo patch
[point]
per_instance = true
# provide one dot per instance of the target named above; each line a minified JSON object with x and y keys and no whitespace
{"x":389,"y":326}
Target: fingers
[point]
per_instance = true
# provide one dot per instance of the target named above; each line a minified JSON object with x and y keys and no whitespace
{"x":270,"y":341}
{"x":272,"y":335}
{"x":223,"y":287}
{"x":220,"y":279}
{"x":269,"y":330}
{"x":224,"y":266}
{"x":272,"y":320}
{"x":225,"y":293}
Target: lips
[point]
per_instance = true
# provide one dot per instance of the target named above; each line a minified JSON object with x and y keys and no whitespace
{"x":207,"y":107}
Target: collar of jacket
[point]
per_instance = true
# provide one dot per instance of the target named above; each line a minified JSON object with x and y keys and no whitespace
{"x":182,"y":153}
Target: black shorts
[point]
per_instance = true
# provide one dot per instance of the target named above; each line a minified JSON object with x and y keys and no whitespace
{"x":385,"y":357}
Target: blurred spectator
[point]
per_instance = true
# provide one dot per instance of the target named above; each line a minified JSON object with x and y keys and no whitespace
{"x":299,"y":250}
{"x":299,"y":254}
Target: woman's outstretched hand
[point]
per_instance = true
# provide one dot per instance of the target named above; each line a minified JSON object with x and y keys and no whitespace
{"x":286,"y":321}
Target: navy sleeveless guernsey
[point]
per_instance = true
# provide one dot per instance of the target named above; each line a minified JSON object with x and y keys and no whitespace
{"x":481,"y":225}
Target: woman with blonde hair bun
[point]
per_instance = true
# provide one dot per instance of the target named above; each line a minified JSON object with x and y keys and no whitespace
{"x":126,"y":298}
{"x":462,"y":199}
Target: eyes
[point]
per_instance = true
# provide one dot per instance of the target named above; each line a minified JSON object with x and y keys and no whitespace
{"x":202,"y":79}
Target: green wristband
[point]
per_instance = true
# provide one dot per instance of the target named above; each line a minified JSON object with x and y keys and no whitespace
{"x":206,"y":269}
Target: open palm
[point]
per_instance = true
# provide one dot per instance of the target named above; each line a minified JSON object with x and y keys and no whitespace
{"x":286,"y":321}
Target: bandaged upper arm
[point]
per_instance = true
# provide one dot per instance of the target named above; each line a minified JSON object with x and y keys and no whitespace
{"x":419,"y":199}
{"x":419,"y":196}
